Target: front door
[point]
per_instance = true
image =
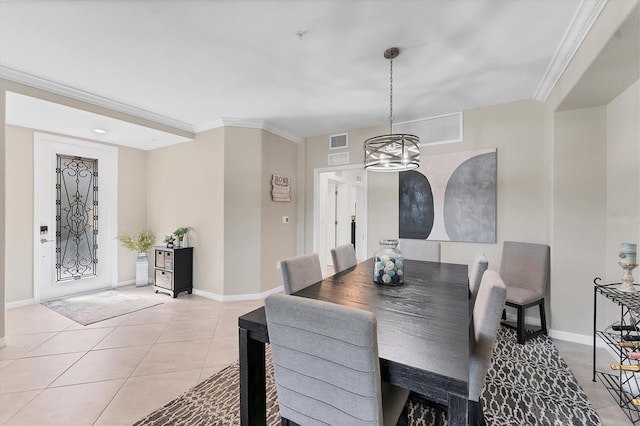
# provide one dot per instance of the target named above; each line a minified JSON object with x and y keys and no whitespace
{"x":75,"y":214}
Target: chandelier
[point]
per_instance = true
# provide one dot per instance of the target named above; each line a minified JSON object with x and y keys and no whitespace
{"x":394,"y":152}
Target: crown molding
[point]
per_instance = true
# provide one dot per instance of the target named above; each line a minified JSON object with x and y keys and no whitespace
{"x":247,"y":124}
{"x":70,"y":92}
{"x":79,"y":95}
{"x":584,"y":18}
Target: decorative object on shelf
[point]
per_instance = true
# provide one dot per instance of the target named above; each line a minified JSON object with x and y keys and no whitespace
{"x":140,"y":243}
{"x":169,"y":240}
{"x":628,"y":264}
{"x":627,"y":277}
{"x":393,"y":152}
{"x":280,"y":188}
{"x":388,"y":263}
{"x":181,"y":235}
{"x":628,"y":253}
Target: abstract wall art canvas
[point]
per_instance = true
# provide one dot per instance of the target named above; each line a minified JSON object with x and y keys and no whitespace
{"x":450,"y":197}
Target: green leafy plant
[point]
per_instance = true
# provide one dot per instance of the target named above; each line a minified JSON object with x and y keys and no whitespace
{"x":140,"y":243}
{"x":180,"y":232}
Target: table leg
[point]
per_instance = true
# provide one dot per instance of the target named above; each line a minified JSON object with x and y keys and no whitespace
{"x":253,"y":392}
{"x":458,"y":411}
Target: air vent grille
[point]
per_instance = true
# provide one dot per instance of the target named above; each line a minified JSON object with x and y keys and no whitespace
{"x":338,"y":141}
{"x":434,"y":130}
{"x":338,"y":158}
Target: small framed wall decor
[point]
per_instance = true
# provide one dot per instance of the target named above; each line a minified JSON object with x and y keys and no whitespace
{"x":280,"y":188}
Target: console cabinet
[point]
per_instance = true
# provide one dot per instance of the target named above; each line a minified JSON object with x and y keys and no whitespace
{"x":173,"y":270}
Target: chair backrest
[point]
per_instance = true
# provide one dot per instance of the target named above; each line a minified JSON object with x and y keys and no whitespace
{"x":343,"y":257}
{"x":487,"y":313}
{"x":480,"y":264}
{"x":420,"y":250}
{"x":300,"y":272}
{"x":525,"y":265}
{"x":326,"y":362}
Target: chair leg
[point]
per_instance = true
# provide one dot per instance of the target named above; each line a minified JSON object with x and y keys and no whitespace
{"x":543,"y":318}
{"x":521,"y":331}
{"x":504,"y":314}
{"x":476,"y":414}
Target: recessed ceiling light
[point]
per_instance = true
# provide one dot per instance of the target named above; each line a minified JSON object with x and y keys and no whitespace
{"x":101,"y":131}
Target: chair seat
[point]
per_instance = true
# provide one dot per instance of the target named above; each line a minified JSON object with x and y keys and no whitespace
{"x":522,"y":296}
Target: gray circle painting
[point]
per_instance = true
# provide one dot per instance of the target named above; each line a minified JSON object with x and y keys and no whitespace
{"x":451,"y":197}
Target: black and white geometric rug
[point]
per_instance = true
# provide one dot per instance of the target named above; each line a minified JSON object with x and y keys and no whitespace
{"x":527,"y":384}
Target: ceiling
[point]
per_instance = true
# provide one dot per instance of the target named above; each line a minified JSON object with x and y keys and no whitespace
{"x":297,"y":68}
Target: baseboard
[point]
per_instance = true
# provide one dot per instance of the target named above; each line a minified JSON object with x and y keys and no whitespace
{"x":236,"y":297}
{"x":125,"y":283}
{"x":3,"y":342}
{"x":18,"y":304}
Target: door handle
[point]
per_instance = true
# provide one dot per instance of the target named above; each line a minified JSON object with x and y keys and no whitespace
{"x":44,"y":240}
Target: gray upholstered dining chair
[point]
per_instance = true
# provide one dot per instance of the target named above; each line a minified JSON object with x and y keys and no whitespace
{"x":420,"y":250}
{"x":479,"y":265}
{"x":487,"y":311}
{"x":326,"y":364}
{"x":525,"y":270}
{"x":300,"y":272}
{"x":344,"y":257}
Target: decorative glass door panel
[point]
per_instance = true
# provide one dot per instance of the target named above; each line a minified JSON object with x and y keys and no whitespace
{"x":76,"y":218}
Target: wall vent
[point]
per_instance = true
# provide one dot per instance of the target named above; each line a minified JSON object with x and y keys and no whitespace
{"x":338,"y":141}
{"x":434,"y":130}
{"x":338,"y":158}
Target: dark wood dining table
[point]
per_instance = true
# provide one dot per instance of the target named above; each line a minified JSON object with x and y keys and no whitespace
{"x":423,"y":334}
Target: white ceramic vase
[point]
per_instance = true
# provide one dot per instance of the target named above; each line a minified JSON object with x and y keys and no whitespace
{"x":142,"y":270}
{"x":185,"y":241}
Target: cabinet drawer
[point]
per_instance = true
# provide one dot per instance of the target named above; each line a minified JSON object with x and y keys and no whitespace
{"x":160,"y":258}
{"x":164,"y":259}
{"x":168,"y":260}
{"x":164,"y":279}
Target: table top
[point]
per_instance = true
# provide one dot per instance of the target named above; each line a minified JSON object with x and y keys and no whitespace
{"x":423,"y":325}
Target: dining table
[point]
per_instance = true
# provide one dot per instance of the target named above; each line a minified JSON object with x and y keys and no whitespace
{"x":423,"y":334}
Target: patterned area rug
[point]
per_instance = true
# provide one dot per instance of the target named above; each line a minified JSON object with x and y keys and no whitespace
{"x":86,"y":309}
{"x":527,"y":385}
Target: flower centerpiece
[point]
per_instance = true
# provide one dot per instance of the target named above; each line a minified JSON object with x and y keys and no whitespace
{"x":141,"y":243}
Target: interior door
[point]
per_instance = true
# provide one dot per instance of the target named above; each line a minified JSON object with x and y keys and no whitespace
{"x":75,"y":216}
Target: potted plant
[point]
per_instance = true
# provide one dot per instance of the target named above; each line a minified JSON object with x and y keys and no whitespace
{"x":181,"y":235}
{"x":140,"y":243}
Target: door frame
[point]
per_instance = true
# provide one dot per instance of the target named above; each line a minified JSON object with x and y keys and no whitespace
{"x":109,"y":197}
{"x":317,"y":192}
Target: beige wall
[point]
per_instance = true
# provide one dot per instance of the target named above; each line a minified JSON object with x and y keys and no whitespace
{"x":242,"y":210}
{"x":185,"y":187}
{"x":132,"y":206}
{"x":19,"y":213}
{"x":579,"y":236}
{"x":516,"y":129}
{"x":278,"y":240}
{"x":220,"y":185}
{"x":3,"y":223}
{"x":622,"y":211}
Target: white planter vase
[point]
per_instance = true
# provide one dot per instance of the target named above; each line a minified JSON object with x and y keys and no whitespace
{"x":185,"y":241}
{"x":142,"y":270}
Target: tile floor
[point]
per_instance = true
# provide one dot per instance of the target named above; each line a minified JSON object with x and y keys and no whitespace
{"x":54,"y":371}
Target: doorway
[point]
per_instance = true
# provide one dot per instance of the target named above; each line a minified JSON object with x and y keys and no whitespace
{"x":339,"y":211}
{"x":75,"y":216}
